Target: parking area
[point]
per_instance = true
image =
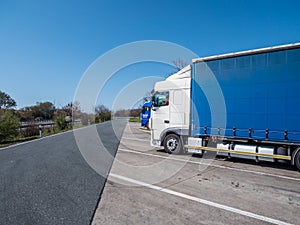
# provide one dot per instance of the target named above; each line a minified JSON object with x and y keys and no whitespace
{"x":148,"y":186}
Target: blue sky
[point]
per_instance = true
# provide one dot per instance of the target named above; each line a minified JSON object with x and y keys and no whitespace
{"x":46,"y":46}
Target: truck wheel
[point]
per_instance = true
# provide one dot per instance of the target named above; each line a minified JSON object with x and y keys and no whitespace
{"x":172,"y":144}
{"x":297,"y":160}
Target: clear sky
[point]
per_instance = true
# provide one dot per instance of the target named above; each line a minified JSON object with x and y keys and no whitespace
{"x":47,"y":45}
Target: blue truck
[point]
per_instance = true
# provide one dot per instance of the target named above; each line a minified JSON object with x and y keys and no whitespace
{"x":244,"y":104}
{"x":145,"y":114}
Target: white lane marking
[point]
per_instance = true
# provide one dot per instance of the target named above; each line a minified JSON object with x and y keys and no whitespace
{"x":202,"y":201}
{"x":213,"y":165}
{"x":135,"y":139}
{"x":145,"y":131}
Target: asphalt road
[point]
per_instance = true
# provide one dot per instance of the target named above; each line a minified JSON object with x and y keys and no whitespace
{"x":48,"y":181}
{"x":148,"y":186}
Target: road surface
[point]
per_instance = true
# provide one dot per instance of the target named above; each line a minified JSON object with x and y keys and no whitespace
{"x":47,"y":181}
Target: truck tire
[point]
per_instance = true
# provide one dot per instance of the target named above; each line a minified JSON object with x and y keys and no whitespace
{"x":172,"y":144}
{"x":297,"y":160}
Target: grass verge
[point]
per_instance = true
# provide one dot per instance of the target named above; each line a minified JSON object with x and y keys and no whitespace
{"x":135,"y":120}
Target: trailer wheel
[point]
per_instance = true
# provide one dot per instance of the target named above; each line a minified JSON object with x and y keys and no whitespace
{"x":172,"y":144}
{"x":297,"y":160}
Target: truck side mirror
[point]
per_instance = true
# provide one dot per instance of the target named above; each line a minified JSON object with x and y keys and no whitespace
{"x":155,"y":102}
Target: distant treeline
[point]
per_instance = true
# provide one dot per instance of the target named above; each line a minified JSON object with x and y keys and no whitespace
{"x":12,"y":121}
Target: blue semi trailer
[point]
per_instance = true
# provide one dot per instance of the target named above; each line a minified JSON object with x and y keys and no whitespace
{"x":244,"y":104}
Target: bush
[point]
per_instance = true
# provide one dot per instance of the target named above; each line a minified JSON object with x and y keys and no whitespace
{"x":97,"y":119}
{"x":60,"y":121}
{"x":9,"y":126}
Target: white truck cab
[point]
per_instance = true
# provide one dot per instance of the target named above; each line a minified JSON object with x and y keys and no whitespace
{"x":171,"y":111}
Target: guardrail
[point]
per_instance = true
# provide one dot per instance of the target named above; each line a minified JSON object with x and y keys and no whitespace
{"x":45,"y":123}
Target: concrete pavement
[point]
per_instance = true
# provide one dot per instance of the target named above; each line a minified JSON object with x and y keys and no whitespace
{"x":148,"y":186}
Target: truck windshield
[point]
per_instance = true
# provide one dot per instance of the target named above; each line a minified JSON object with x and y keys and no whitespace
{"x":160,"y":99}
{"x":145,"y":109}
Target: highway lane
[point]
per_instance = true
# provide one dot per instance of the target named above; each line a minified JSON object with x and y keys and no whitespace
{"x":48,"y":182}
{"x":142,"y":190}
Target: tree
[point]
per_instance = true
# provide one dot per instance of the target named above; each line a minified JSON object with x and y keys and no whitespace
{"x":43,"y":110}
{"x":72,"y":108}
{"x":9,"y":125}
{"x":68,"y":109}
{"x":148,"y":96}
{"x":25,"y":114}
{"x":122,"y":113}
{"x":179,"y":64}
{"x":102,"y":113}
{"x":135,"y":112}
{"x":6,"y":101}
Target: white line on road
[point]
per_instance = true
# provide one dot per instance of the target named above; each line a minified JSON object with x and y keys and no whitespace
{"x":202,"y":201}
{"x":135,"y":139}
{"x":213,"y":165}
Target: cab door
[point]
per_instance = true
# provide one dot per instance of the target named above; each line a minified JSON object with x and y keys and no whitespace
{"x":160,"y":116}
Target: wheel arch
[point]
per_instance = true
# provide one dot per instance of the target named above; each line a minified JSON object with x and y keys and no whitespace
{"x":177,"y":131}
{"x":294,"y":155}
